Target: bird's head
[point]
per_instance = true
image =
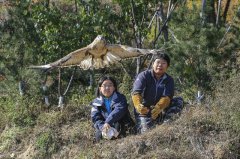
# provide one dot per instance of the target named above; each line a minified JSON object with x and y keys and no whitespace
{"x":100,"y":37}
{"x":99,"y":42}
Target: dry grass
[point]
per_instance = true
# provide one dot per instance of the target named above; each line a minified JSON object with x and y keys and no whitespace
{"x":207,"y":131}
{"x":195,"y":134}
{"x":210,"y":130}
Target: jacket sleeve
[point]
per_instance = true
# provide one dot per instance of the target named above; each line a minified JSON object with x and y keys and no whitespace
{"x":139,"y":84}
{"x":169,"y":88}
{"x":97,"y":117}
{"x":120,"y":109}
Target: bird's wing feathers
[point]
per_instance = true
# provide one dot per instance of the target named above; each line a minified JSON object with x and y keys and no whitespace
{"x":86,"y":62}
{"x":72,"y":59}
{"x":110,"y":58}
{"x":123,"y":51}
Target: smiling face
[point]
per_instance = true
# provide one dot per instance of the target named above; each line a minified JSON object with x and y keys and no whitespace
{"x":107,"y":88}
{"x":159,"y":67}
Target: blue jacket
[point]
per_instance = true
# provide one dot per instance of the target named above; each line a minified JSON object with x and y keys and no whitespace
{"x":99,"y":114}
{"x":152,"y":89}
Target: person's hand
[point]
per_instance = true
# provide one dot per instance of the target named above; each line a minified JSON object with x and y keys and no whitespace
{"x":155,"y":112}
{"x":106,"y":127}
{"x":141,"y":109}
{"x":137,"y":102}
{"x":160,"y":106}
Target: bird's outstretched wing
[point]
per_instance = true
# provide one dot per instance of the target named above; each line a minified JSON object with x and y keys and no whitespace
{"x":117,"y":52}
{"x":87,"y":57}
{"x":72,"y":59}
{"x":124,"y":51}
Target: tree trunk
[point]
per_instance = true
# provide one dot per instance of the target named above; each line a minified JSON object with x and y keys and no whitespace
{"x":210,"y":12}
{"x":76,"y":8}
{"x":136,"y":36}
{"x":203,"y":10}
{"x":164,"y":23}
{"x":47,"y":3}
{"x":165,"y":27}
{"x":226,"y":11}
{"x":218,"y":12}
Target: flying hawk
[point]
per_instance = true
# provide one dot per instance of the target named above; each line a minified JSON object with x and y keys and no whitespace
{"x":96,"y":55}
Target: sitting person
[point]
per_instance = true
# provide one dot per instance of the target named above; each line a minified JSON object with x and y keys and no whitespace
{"x":109,"y":113}
{"x":152,"y":95}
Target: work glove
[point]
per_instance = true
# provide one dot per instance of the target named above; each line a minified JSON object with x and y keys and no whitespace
{"x":160,"y":106}
{"x":137,"y":102}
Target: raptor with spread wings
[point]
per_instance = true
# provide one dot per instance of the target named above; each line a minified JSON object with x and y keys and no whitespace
{"x":96,"y":55}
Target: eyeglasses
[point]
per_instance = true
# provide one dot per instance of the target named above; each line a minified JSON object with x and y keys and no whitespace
{"x":107,"y":85}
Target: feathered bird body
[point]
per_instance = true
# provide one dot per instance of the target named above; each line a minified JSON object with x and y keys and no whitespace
{"x":98,"y":54}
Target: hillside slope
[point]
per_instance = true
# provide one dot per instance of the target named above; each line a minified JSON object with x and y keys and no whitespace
{"x":209,"y":130}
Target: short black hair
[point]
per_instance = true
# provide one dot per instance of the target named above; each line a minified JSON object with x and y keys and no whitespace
{"x":100,"y":82}
{"x":162,"y":56}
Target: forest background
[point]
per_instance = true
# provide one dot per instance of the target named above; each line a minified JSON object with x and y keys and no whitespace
{"x":202,"y":38}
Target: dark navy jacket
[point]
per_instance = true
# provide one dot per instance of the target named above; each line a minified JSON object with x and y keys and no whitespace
{"x":152,"y":89}
{"x":99,"y":113}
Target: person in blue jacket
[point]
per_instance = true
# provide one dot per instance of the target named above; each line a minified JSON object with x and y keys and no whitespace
{"x":109,"y":110}
{"x":152,"y":94}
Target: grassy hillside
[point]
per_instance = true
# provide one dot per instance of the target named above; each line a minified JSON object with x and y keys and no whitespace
{"x":208,"y":130}
{"x":31,"y":130}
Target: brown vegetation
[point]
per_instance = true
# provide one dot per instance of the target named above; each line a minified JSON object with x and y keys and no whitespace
{"x":209,"y":130}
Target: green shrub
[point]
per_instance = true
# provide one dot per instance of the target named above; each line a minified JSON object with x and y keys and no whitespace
{"x":50,"y":119}
{"x":46,"y":144}
{"x":8,"y":138}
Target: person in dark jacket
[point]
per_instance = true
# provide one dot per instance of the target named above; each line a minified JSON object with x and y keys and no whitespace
{"x":152,"y":94}
{"x":109,"y":111}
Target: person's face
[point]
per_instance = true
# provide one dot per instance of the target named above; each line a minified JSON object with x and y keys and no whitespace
{"x":107,"y":88}
{"x":160,"y":66}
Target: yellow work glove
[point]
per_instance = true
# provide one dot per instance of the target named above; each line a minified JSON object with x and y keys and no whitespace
{"x":137,"y":102}
{"x":158,"y":108}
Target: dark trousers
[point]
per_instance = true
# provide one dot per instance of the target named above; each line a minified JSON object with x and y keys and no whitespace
{"x":145,"y":123}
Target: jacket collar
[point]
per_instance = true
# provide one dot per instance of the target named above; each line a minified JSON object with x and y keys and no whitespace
{"x":163,"y":77}
{"x":114,"y":96}
{"x":100,"y":100}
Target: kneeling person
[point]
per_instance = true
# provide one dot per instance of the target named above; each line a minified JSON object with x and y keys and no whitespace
{"x":109,"y":111}
{"x":153,"y":92}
